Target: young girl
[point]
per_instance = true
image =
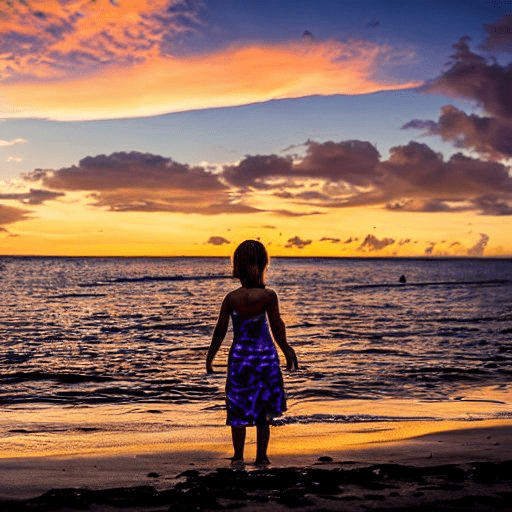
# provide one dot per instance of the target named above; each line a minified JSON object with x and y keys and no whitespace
{"x":254,"y":384}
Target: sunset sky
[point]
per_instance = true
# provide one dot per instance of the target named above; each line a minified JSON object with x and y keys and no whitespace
{"x":326,"y":128}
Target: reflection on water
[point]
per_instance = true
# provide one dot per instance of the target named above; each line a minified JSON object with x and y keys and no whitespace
{"x":89,"y":331}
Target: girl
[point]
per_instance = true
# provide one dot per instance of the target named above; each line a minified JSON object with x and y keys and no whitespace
{"x":254,"y":384}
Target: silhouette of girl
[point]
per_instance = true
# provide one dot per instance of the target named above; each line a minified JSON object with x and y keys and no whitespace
{"x":254,"y":383}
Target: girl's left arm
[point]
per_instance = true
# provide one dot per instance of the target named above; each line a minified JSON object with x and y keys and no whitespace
{"x":219,"y":334}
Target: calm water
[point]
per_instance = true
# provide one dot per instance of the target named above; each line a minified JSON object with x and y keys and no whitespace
{"x":90,"y":331}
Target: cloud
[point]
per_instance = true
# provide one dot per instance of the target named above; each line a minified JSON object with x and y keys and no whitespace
{"x":329,"y":175}
{"x":9,"y":214}
{"x":143,"y":182}
{"x":14,"y":142}
{"x":254,"y":171}
{"x":297,"y":242}
{"x":33,"y":197}
{"x":91,"y":59}
{"x":425,"y":182}
{"x":351,"y":173}
{"x":122,"y":170}
{"x":473,"y":77}
{"x":485,"y":135}
{"x":430,"y":249}
{"x":53,"y":39}
{"x":217,"y":240}
{"x":351,"y":161}
{"x":372,"y":243}
{"x":329,"y":239}
{"x":497,"y":204}
{"x":479,"y":248}
{"x":499,"y":35}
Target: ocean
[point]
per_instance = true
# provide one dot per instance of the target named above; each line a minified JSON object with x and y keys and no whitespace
{"x":132,"y":334}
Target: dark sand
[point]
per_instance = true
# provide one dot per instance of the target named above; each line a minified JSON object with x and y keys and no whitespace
{"x":468,"y":469}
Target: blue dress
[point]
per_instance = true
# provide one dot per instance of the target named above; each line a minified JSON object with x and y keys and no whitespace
{"x":254,"y":385}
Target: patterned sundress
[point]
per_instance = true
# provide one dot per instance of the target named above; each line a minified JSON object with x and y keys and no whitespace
{"x":254,"y":384}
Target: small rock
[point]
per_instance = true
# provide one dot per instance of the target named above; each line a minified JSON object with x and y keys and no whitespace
{"x":153,"y":475}
{"x":325,"y":458}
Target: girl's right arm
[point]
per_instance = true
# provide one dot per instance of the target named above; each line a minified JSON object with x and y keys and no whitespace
{"x":219,"y":334}
{"x":279,"y":332}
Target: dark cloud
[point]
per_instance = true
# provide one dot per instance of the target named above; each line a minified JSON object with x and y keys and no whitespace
{"x":473,"y":77}
{"x":494,"y":204}
{"x":372,"y":243}
{"x":254,"y":171}
{"x":33,"y":197}
{"x":479,"y":248}
{"x":420,"y":180}
{"x":143,"y":182}
{"x":297,"y":242}
{"x":499,"y":35}
{"x":332,"y":240}
{"x":132,"y":170}
{"x":430,"y":249}
{"x":351,"y":161}
{"x":329,"y":175}
{"x":350,"y":173}
{"x":10,"y":214}
{"x":485,"y":135}
{"x":217,"y":240}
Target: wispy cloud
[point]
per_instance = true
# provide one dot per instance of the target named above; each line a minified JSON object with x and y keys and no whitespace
{"x":33,"y":196}
{"x":87,"y":59}
{"x":11,"y":214}
{"x":14,"y":142}
{"x":44,"y":39}
{"x":479,"y":248}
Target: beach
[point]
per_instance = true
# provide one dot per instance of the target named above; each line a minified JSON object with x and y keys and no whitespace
{"x":408,"y":465}
{"x":402,"y":397}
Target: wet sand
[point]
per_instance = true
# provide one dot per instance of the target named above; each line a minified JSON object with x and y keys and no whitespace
{"x":398,"y":466}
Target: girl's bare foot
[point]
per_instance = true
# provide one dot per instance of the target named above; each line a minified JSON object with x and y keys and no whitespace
{"x":262,"y":462}
{"x":235,"y":461}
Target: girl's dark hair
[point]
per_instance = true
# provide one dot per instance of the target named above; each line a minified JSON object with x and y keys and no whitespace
{"x":249,"y":263}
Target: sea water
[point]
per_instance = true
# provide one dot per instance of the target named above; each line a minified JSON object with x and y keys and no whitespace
{"x":128,"y":333}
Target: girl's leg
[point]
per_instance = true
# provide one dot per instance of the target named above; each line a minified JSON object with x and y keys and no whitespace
{"x":238,"y":435}
{"x":262,"y":438}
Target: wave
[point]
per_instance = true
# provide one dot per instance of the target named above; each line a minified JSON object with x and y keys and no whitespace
{"x":489,"y":282}
{"x":76,"y":296}
{"x":149,"y":279}
{"x":63,"y":378}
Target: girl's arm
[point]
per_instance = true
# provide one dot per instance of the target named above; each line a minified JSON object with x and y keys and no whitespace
{"x":219,"y":334}
{"x":279,"y":332}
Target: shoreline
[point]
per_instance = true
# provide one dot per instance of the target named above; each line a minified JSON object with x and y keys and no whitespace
{"x":424,"y":446}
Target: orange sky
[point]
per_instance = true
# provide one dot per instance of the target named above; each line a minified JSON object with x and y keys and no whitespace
{"x":447,"y":190}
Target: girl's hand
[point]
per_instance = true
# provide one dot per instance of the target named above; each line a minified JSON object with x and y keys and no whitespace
{"x":291,"y":360}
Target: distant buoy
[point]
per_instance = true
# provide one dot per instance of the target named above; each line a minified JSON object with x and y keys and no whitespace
{"x":402,"y":279}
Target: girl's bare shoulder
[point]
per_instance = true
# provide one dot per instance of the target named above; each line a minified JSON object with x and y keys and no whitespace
{"x":247,"y":301}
